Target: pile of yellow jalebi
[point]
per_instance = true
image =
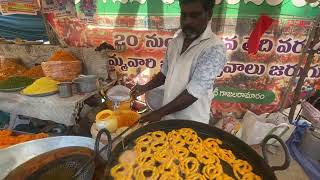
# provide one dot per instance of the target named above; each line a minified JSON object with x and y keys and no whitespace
{"x":34,"y":72}
{"x":9,"y":68}
{"x":7,"y":139}
{"x":180,"y":154}
{"x":41,"y":86}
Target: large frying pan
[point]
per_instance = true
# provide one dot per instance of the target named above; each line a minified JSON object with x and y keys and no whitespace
{"x":239,"y":148}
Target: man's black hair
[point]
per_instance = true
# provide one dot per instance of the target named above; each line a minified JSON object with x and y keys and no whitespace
{"x":207,"y":4}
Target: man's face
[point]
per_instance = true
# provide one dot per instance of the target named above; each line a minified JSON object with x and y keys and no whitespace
{"x":193,"y":19}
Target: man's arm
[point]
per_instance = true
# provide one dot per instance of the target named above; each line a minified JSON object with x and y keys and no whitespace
{"x":160,"y":78}
{"x":181,"y":102}
{"x":156,"y":81}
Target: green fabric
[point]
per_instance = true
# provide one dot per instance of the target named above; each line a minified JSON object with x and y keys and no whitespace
{"x":15,"y":82}
{"x":239,"y":9}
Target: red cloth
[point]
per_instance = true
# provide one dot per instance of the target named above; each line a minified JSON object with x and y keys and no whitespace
{"x":50,"y":17}
{"x":262,"y":25}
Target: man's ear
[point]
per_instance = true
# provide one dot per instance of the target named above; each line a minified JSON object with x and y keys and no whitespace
{"x":209,"y":14}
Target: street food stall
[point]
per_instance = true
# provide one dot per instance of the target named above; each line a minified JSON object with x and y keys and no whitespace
{"x":38,"y":92}
{"x":100,"y":49}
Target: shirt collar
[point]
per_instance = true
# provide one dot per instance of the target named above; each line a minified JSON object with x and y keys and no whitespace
{"x":207,"y":34}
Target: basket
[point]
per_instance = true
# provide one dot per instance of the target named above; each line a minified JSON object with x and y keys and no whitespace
{"x":62,"y":70}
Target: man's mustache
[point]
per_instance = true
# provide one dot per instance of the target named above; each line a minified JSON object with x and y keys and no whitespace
{"x":188,"y":29}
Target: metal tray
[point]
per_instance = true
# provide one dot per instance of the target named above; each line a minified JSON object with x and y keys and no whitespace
{"x":12,"y":89}
{"x":40,"y":95}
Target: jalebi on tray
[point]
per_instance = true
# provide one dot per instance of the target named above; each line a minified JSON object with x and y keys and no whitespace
{"x":8,"y":139}
{"x":9,"y":68}
{"x":180,"y":154}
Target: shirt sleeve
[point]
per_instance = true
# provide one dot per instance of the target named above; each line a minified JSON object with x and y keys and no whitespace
{"x":164,"y":68}
{"x":210,"y":64}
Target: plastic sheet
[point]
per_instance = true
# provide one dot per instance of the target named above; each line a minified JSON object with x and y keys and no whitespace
{"x":311,"y":113}
{"x":256,"y":127}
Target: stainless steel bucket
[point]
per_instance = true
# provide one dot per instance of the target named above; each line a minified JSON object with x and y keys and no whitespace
{"x":86,"y":83}
{"x":311,"y":143}
{"x":65,"y":89}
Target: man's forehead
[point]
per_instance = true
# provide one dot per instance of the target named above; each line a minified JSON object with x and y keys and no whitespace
{"x":195,"y":6}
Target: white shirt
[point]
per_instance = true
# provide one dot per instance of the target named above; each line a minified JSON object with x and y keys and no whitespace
{"x":194,"y":70}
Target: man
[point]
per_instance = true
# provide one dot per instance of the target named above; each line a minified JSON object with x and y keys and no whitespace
{"x":194,"y":58}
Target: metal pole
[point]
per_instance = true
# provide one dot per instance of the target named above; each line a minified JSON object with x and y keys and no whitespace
{"x":296,"y":70}
{"x":314,"y":40}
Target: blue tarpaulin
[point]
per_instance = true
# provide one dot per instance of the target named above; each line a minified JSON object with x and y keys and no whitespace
{"x":27,"y":27}
{"x":310,"y":166}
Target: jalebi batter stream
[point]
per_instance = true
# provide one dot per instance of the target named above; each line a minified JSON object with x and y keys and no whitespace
{"x":41,"y":86}
{"x":179,"y":154}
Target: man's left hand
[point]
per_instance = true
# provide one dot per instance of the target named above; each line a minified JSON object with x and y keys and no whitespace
{"x":153,"y":116}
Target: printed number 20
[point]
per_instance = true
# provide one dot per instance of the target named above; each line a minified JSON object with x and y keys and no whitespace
{"x":130,"y":40}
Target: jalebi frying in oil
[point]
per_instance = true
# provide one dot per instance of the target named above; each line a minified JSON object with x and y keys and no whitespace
{"x":180,"y":154}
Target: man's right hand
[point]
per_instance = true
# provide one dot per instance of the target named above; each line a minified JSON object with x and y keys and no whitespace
{"x":138,"y":90}
{"x":157,"y":81}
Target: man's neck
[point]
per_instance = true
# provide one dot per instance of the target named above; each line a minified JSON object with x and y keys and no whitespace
{"x":186,"y":43}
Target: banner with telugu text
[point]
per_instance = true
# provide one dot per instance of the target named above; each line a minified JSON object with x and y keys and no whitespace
{"x":229,"y":8}
{"x":248,"y":82}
